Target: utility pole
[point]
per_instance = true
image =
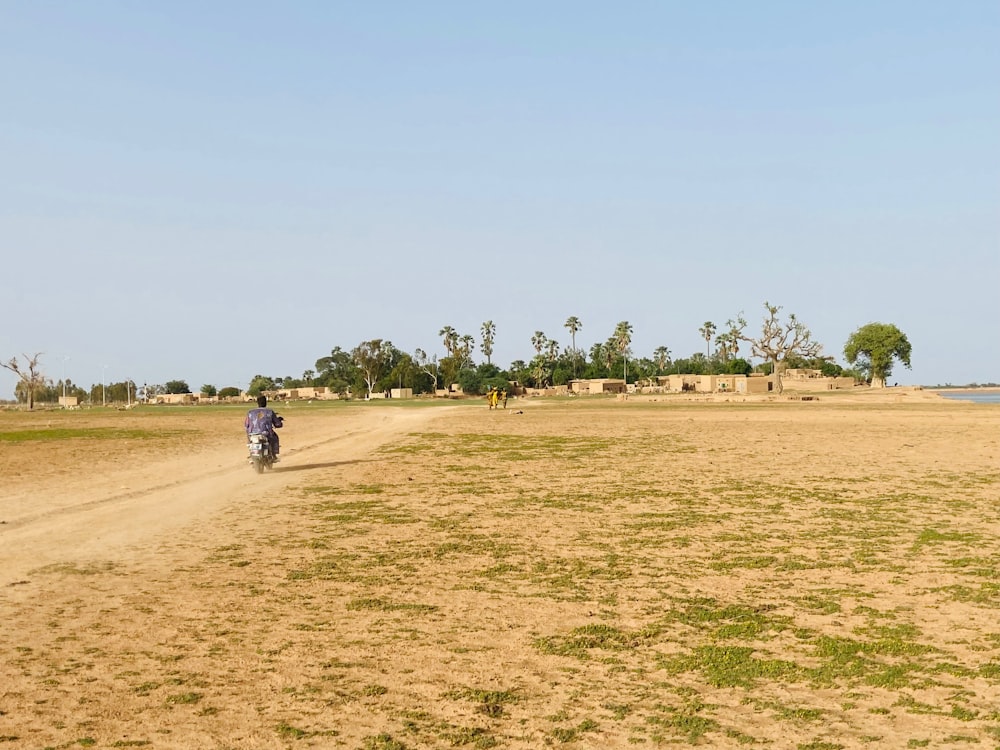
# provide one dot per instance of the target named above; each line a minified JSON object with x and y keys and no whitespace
{"x":65,"y":360}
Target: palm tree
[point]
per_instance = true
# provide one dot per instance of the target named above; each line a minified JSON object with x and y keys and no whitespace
{"x":734,"y":337}
{"x":661,"y":355}
{"x":622,"y":338}
{"x":610,"y":346}
{"x":466,"y":349}
{"x":450,"y":339}
{"x":573,"y":324}
{"x":489,"y":331}
{"x":538,"y":341}
{"x":724,"y":347}
{"x":707,"y":331}
{"x":597,"y":353}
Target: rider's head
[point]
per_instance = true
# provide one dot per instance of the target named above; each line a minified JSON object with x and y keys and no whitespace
{"x":262,"y":401}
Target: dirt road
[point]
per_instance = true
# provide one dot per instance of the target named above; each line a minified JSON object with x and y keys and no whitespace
{"x":115,"y":509}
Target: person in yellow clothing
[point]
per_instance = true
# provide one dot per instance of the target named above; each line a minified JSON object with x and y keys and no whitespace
{"x":494,"y":396}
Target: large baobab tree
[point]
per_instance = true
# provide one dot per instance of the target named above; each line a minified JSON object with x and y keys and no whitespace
{"x":874,"y":347}
{"x":29,"y":374}
{"x":779,"y":339}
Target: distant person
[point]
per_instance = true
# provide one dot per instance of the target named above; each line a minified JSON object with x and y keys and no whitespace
{"x":503,"y":397}
{"x":494,"y":397}
{"x":263,"y":421}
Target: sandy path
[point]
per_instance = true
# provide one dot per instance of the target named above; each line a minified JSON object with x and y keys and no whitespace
{"x":116,"y":514}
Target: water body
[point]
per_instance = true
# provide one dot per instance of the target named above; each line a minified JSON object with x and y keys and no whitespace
{"x":984,"y":397}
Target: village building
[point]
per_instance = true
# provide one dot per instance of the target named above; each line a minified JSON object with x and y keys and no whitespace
{"x":813,"y":380}
{"x":597,"y":386}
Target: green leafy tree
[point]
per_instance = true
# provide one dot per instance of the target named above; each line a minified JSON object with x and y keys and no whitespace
{"x":229,"y":391}
{"x":258,"y":384}
{"x":337,"y":371}
{"x":123,"y":392}
{"x":209,"y":390}
{"x":696,"y":364}
{"x":738,"y":366}
{"x":598,"y":358}
{"x":402,"y":372}
{"x":779,"y":340}
{"x":520,"y":371}
{"x":875,"y":348}
{"x":371,"y":357}
{"x":177,"y":386}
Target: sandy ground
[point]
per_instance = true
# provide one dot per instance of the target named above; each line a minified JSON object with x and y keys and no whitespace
{"x":90,"y":502}
{"x":599,"y":573}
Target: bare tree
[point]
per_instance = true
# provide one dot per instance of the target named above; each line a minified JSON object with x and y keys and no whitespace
{"x":778,"y":340}
{"x":31,"y":377}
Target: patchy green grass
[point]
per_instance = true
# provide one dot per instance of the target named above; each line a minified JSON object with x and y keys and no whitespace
{"x":85,"y":433}
{"x":587,"y":575}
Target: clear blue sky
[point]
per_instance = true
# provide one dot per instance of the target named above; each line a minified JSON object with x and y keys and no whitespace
{"x":173,"y":171}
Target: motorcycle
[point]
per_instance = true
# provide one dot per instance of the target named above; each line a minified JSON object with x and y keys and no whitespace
{"x":260,"y":456}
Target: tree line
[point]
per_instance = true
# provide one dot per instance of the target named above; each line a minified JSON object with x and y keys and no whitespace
{"x":376,"y":365}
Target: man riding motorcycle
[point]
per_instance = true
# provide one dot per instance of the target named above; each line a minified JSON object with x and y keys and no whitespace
{"x":264,"y":421}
